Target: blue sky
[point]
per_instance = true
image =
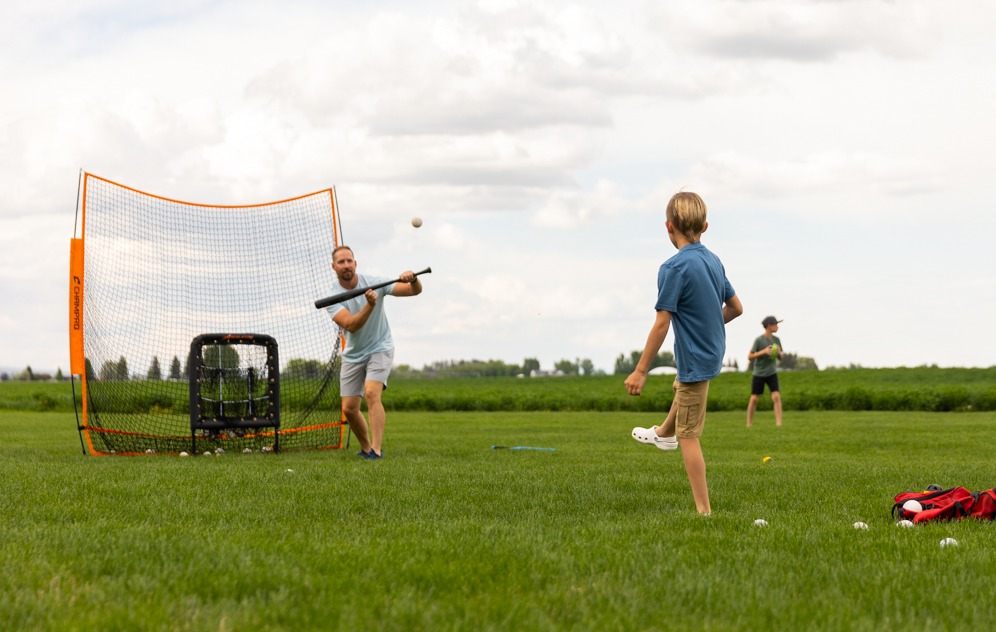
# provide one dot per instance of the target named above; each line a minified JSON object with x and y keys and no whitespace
{"x":843,"y":149}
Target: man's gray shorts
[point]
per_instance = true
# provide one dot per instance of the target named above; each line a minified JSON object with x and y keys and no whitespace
{"x":376,"y":368}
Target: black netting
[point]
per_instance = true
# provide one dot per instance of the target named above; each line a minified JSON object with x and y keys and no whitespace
{"x":158,"y":273}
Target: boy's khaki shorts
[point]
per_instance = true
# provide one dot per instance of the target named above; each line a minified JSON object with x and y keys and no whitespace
{"x":690,"y":400}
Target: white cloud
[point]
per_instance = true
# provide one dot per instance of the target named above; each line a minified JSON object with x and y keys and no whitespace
{"x":831,"y":174}
{"x":566,"y":209}
{"x":538,"y":141}
{"x":814,"y":31}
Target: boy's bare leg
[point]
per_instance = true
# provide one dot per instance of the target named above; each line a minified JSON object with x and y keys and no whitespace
{"x":776,"y":403}
{"x":666,"y":429}
{"x":751,"y":407}
{"x":691,"y":452}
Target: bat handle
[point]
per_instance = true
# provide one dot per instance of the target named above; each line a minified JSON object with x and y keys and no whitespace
{"x":426,"y":271}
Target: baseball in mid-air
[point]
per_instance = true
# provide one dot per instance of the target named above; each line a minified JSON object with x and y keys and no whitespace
{"x":416,"y":221}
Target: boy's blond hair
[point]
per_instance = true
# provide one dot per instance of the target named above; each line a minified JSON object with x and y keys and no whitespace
{"x":687,"y":213}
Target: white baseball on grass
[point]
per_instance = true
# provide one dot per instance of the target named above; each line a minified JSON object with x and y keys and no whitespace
{"x":949,"y":542}
{"x":761,"y":522}
{"x":906,"y":524}
{"x":416,"y":221}
{"x":184,"y":454}
{"x":861,"y":525}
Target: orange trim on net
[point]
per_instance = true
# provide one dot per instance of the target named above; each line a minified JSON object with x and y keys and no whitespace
{"x":77,"y":362}
{"x":136,"y":434}
{"x":84,"y":378}
{"x":86,"y":432}
{"x":252,"y":435}
{"x":335,"y":213}
{"x":166,"y":199}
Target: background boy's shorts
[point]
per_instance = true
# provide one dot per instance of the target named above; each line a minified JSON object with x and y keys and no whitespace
{"x":690,"y":400}
{"x":353,"y":375}
{"x":757,"y":383}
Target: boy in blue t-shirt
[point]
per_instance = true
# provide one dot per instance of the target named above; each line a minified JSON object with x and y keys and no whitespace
{"x":695,"y":295}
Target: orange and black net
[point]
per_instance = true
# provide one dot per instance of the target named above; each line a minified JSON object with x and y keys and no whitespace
{"x":150,"y":274}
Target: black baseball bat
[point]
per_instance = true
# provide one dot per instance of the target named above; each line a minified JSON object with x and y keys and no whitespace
{"x":345,"y":296}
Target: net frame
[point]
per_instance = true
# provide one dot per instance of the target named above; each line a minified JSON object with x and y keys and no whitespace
{"x":285,"y":248}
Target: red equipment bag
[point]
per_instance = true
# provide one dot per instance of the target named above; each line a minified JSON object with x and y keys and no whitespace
{"x":984,"y":507}
{"x":944,"y":504}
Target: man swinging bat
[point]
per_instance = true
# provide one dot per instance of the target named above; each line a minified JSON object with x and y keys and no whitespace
{"x":369,"y":352}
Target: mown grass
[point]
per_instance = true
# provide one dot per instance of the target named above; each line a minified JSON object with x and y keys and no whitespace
{"x":928,"y":389}
{"x":445,"y":533}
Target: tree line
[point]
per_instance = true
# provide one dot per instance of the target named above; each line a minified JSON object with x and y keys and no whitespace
{"x":226,"y":356}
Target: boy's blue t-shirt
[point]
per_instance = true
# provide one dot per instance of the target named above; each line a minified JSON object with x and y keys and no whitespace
{"x":692,"y":285}
{"x":375,"y":335}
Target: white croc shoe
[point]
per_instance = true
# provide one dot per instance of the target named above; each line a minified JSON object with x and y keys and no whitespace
{"x":649,"y":435}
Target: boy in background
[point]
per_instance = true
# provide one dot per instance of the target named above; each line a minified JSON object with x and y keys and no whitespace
{"x":695,"y":295}
{"x":764,"y":355}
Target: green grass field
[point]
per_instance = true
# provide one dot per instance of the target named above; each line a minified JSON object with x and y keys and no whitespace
{"x":445,"y":533}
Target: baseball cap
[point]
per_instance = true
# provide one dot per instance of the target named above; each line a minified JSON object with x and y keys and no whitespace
{"x":769,"y":320}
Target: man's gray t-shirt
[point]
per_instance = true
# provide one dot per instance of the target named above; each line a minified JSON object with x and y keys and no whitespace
{"x":375,"y":335}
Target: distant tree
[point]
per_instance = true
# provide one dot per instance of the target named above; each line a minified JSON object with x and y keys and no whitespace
{"x":154,"y":373}
{"x":221,"y":356}
{"x":587,"y":367}
{"x":788,"y":361}
{"x":625,"y":366}
{"x":566,"y":367}
{"x":806,"y":364}
{"x":174,"y":369}
{"x":471,"y":368}
{"x":88,"y":367}
{"x":109,"y":370}
{"x":529,"y":365}
{"x":58,"y":374}
{"x":4,"y":376}
{"x":299,"y":367}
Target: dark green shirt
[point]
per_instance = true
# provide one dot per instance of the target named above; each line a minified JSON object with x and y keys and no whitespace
{"x":765,"y":365}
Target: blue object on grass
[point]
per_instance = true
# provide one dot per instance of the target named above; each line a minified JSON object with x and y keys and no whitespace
{"x":521,"y":447}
